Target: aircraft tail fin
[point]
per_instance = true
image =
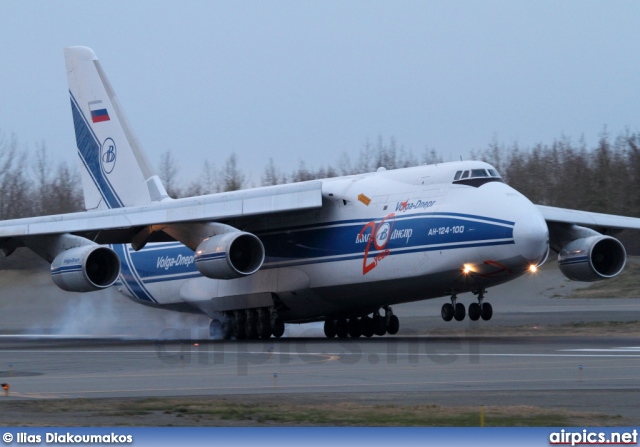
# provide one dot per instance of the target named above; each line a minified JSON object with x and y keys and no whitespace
{"x":115,"y":170}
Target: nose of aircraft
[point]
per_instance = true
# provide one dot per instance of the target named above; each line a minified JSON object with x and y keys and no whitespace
{"x":531,"y":237}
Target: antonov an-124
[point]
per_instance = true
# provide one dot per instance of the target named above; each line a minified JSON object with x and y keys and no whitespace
{"x":341,"y":251}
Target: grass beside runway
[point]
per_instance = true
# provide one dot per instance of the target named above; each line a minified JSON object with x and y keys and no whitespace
{"x":625,"y":285}
{"x":594,"y":328}
{"x":275,"y":410}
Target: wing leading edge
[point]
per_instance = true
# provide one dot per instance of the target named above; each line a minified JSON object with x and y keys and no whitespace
{"x":597,"y":221}
{"x":215,"y":207}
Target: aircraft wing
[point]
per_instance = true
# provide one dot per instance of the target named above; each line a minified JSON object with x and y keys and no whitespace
{"x":589,"y":219}
{"x":209,"y":208}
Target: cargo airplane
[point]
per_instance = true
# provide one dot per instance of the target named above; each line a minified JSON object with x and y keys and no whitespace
{"x":340,"y":251}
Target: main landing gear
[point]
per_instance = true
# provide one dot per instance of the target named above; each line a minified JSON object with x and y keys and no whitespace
{"x":366,"y":326}
{"x":248,"y":324}
{"x":476,"y":310}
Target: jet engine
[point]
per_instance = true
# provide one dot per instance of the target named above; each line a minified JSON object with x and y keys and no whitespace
{"x":592,"y":258}
{"x":85,"y":269}
{"x":229,"y":255}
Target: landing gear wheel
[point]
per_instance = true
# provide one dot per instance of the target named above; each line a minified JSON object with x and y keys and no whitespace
{"x":215,"y":329}
{"x":366,"y":326}
{"x":227,"y":328}
{"x":251,"y":324}
{"x":459,"y":312}
{"x":342,"y":328}
{"x":277,"y":326}
{"x":393,"y":325}
{"x":354,"y":328}
{"x":379,"y":325}
{"x":264,"y":325}
{"x":487,"y":311}
{"x":474,"y":311}
{"x":447,"y":312}
{"x":330,"y":329}
{"x":239,"y":326}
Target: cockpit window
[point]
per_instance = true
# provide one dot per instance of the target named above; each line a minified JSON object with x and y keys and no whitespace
{"x":477,"y":173}
{"x":477,"y":177}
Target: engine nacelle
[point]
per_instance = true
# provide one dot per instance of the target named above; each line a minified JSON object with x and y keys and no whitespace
{"x":229,"y":255}
{"x":592,"y":258}
{"x":85,"y":269}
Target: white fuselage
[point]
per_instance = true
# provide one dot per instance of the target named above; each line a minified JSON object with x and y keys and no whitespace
{"x":379,"y":239}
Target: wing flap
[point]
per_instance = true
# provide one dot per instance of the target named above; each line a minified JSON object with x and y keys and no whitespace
{"x":214,"y":207}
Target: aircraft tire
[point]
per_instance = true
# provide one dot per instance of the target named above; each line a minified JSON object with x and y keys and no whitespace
{"x":487,"y":311}
{"x":278,"y":327}
{"x":251,"y":325}
{"x":379,"y":325}
{"x":474,"y":311}
{"x":342,"y":328}
{"x":239,"y":325}
{"x":216,"y":329}
{"x":393,"y":326}
{"x":447,"y":312}
{"x":354,"y":328}
{"x":227,"y":328}
{"x":366,"y":326}
{"x":264,"y":326}
{"x":330,"y":329}
{"x":459,"y":312}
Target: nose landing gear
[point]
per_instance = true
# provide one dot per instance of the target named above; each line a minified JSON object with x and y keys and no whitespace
{"x":476,"y":310}
{"x":453,"y":310}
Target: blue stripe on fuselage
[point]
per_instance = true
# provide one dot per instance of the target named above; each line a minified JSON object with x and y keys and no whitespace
{"x":322,"y":243}
{"x":417,"y":231}
{"x":130,"y":278}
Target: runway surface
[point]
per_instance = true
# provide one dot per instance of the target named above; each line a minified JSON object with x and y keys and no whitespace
{"x":563,"y":371}
{"x":57,"y":345}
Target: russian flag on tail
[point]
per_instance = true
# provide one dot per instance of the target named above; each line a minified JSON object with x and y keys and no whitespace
{"x":98,"y":112}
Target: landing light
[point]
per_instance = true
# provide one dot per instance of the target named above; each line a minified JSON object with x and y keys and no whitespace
{"x":533,"y":268}
{"x":466,"y":269}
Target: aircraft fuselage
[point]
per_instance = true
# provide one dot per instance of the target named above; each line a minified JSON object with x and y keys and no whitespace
{"x":379,"y":239}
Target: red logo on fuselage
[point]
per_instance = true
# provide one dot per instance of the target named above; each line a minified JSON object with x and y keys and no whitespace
{"x":379,"y":236}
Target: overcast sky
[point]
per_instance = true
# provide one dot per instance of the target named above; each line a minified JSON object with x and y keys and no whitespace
{"x":308,"y":80}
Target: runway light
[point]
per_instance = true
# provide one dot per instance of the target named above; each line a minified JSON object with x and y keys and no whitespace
{"x":533,"y":268}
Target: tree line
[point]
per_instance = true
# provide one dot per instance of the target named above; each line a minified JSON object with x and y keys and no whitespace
{"x":229,"y":177}
{"x":31,"y":184}
{"x":602,"y":178}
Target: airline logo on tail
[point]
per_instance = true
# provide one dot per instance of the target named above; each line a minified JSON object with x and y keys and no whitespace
{"x":98,"y":112}
{"x":108,"y":155}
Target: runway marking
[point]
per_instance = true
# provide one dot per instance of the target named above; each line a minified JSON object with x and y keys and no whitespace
{"x":621,"y":349}
{"x":628,"y":352}
{"x":35,"y":396}
{"x":70,"y":337}
{"x":283,"y":388}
